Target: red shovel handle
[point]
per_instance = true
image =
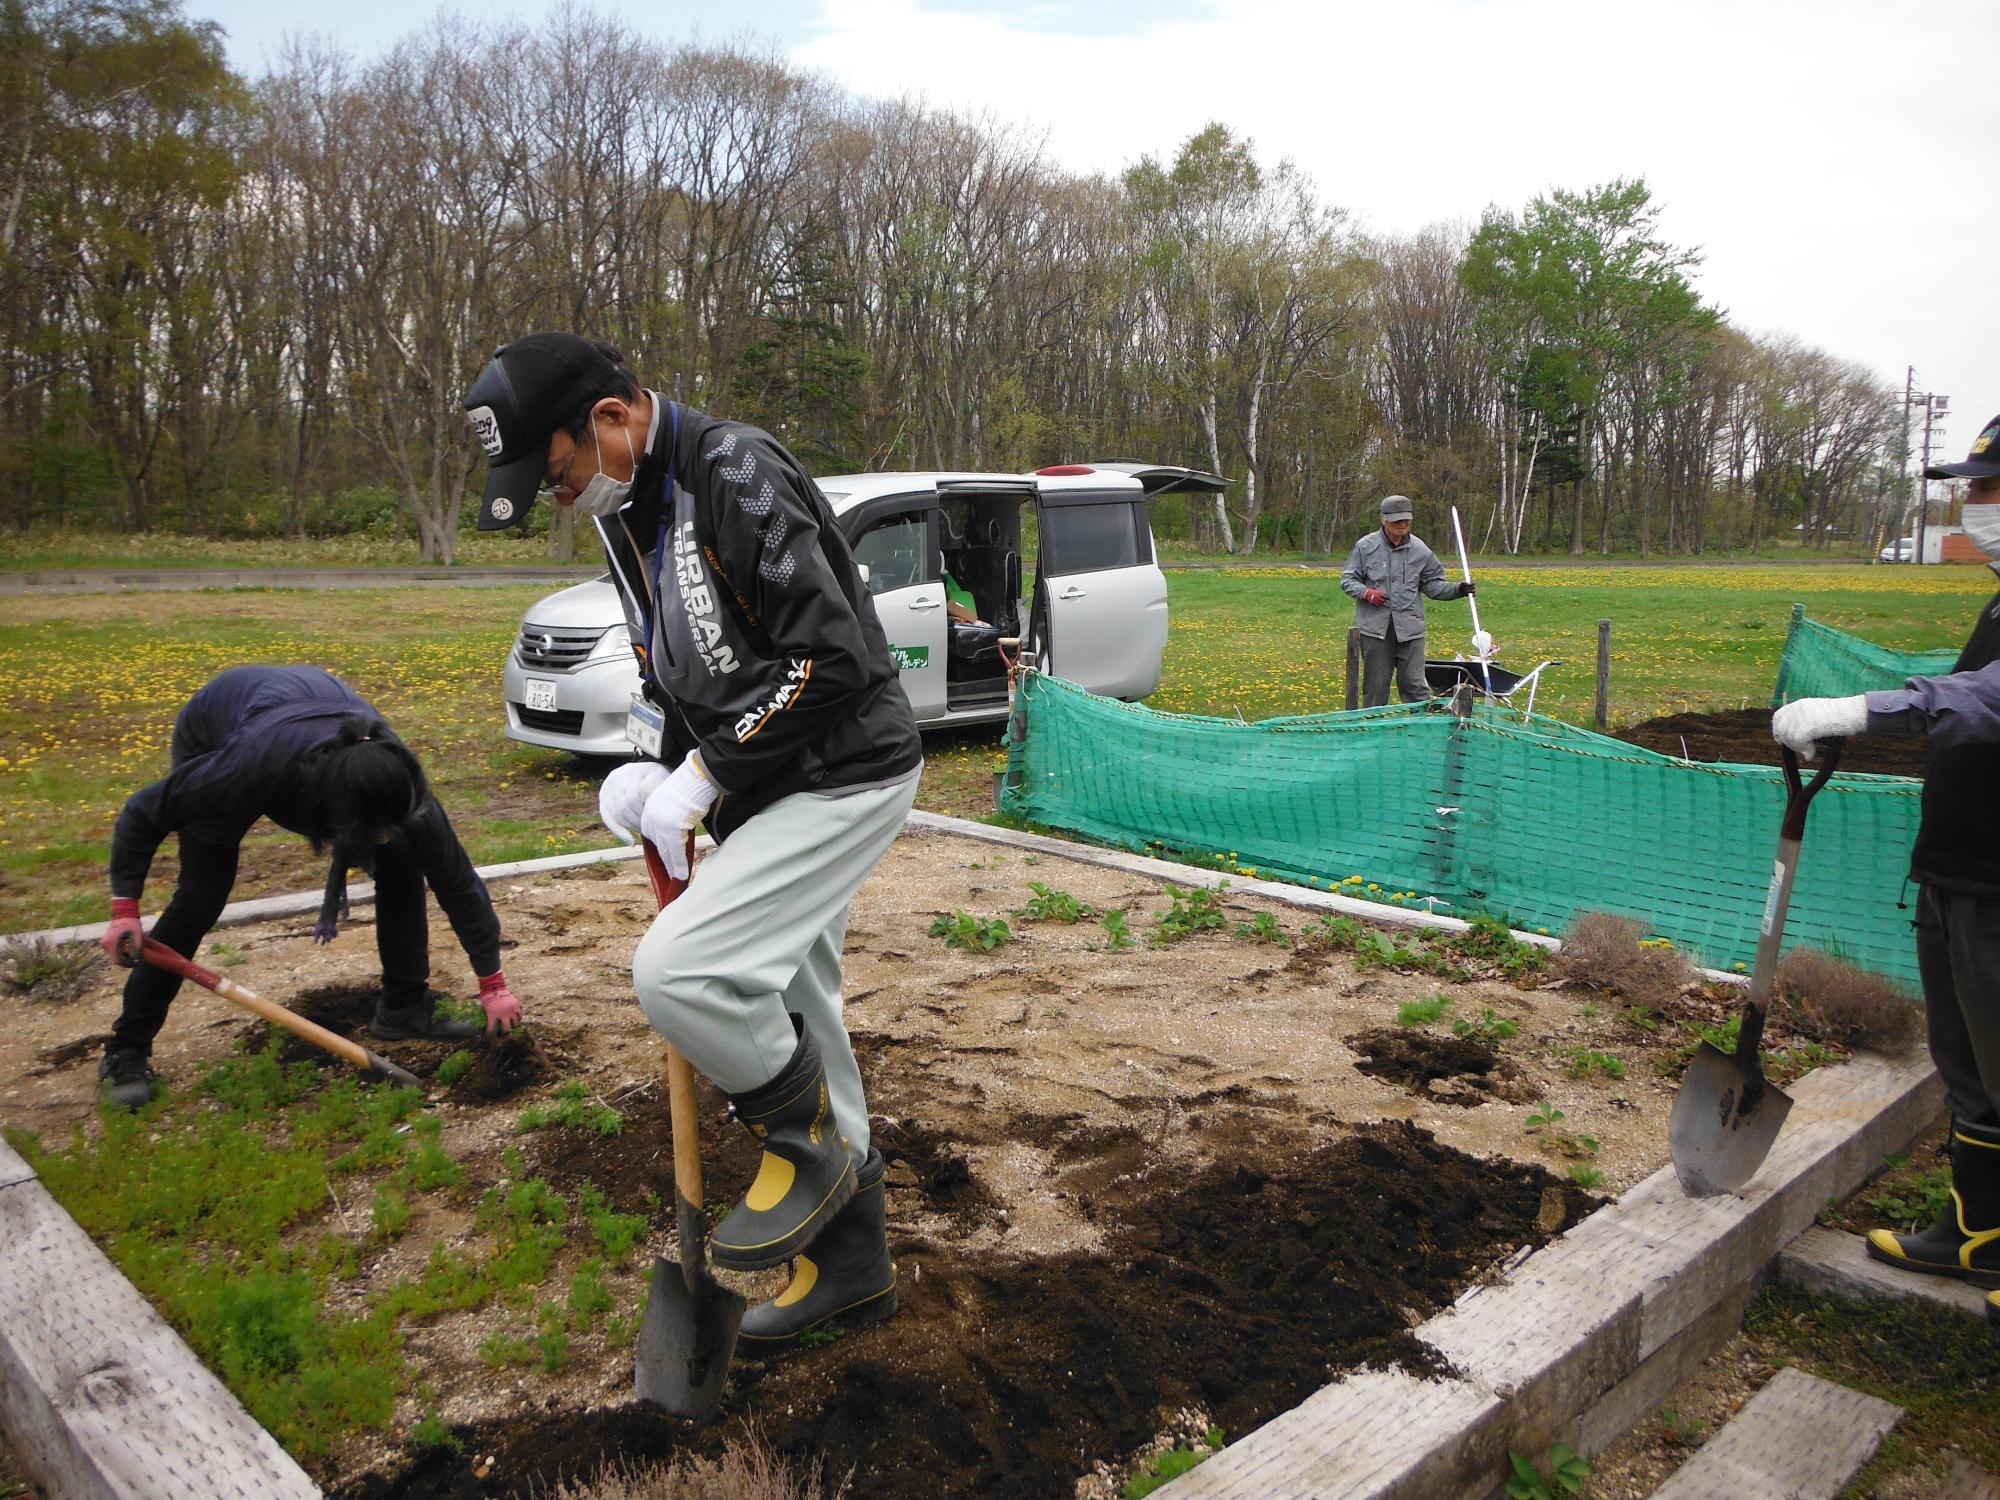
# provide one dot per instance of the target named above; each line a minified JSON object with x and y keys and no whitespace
{"x":161,"y":956}
{"x":665,"y":886}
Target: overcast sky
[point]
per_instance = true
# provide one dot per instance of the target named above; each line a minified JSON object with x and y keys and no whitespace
{"x":1837,"y":162}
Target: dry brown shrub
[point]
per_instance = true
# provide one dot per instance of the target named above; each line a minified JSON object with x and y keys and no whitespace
{"x":48,"y":971}
{"x":1832,"y":1000}
{"x":747,"y":1470}
{"x":1602,"y":950}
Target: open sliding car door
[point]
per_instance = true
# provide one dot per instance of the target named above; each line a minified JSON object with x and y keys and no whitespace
{"x":1101,"y":599}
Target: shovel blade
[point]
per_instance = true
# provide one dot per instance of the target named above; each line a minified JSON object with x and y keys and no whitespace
{"x":1725,"y":1118}
{"x":686,"y":1341}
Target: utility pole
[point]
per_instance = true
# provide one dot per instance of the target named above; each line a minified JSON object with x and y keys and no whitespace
{"x":1935,"y":406}
{"x":1903,"y":455}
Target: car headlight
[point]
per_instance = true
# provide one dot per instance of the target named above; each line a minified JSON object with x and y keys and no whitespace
{"x":612,"y":644}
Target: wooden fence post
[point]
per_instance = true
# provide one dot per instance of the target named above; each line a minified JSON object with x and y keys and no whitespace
{"x":1353,"y":666}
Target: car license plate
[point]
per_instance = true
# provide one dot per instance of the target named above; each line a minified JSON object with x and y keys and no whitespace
{"x":541,"y":693}
{"x":644,"y":725}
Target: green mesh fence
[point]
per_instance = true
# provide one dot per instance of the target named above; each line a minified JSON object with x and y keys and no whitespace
{"x":1536,"y":820}
{"x":1821,"y":662}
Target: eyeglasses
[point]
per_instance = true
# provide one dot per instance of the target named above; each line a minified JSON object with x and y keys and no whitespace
{"x":551,"y":483}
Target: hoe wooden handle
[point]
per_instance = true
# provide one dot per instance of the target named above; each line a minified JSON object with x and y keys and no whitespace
{"x":158,"y":953}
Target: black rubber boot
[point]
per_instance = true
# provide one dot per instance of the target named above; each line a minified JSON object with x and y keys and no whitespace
{"x":125,"y":1078}
{"x":422,"y":1022}
{"x":806,"y":1176}
{"x":844,"y":1280}
{"x":1965,"y":1241}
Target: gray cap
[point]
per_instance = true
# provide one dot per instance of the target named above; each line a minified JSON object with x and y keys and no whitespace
{"x":1398,"y":508}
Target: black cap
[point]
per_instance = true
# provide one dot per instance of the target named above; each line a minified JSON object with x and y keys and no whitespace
{"x":1983,"y":462}
{"x":528,"y":390}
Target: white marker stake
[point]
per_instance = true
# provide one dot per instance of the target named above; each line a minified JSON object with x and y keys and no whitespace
{"x":1482,"y":643}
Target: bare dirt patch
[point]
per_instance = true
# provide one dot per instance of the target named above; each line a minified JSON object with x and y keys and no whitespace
{"x":1122,"y":1184}
{"x":1743,"y":736}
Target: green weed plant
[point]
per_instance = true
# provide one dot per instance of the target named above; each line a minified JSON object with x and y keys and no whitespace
{"x":574,"y":1106}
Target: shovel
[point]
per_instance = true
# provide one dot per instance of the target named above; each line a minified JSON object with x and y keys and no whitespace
{"x":158,"y":953}
{"x":1726,"y":1115}
{"x":689,"y":1331}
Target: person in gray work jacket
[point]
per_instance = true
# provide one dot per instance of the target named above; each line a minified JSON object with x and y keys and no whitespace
{"x":787,"y":730}
{"x":1389,"y":573}
{"x":1956,"y":862}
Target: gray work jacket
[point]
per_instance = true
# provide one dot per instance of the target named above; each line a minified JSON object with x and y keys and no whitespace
{"x":1405,"y":574}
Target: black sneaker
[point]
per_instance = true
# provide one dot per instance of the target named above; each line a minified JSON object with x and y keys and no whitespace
{"x":125,"y":1078}
{"x":422,"y":1022}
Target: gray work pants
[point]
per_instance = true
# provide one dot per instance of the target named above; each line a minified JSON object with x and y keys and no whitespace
{"x":1958,"y":955}
{"x":756,"y":938}
{"x":1380,"y":655}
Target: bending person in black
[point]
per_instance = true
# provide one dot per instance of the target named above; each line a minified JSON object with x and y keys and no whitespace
{"x":298,"y":746}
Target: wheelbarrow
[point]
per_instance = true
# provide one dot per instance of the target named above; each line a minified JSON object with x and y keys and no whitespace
{"x":1494,"y":682}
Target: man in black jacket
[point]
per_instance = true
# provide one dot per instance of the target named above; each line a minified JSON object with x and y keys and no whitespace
{"x":1956,"y":861}
{"x":780,"y":721}
{"x":300,"y":747}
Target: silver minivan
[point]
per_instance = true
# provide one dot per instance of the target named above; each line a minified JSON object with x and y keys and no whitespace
{"x":1094,"y":609}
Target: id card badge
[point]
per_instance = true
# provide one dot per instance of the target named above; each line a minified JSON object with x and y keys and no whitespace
{"x":644,"y":726}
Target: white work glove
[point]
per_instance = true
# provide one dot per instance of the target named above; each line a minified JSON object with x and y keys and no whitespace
{"x":674,"y":808}
{"x":1803,"y":724}
{"x":623,"y":796}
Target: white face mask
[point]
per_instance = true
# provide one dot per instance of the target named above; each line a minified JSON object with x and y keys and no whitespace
{"x":603,"y":495}
{"x":1982,"y":525}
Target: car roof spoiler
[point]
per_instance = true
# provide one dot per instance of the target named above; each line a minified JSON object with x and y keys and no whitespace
{"x":1166,"y":479}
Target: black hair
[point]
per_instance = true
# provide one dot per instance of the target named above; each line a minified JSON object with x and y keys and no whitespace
{"x":621,"y":383}
{"x":359,"y":787}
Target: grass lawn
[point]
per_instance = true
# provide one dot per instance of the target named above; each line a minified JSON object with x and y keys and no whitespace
{"x":95,"y":681}
{"x":53,"y":548}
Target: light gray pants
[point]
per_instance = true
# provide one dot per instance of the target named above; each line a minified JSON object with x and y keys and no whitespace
{"x":1380,"y":655}
{"x":757,"y":937}
{"x":1958,"y":955}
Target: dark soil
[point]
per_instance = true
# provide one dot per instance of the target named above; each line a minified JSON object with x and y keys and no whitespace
{"x":1743,"y":736}
{"x":1240,"y":1289}
{"x":501,"y":1068}
{"x":1458,"y":1070}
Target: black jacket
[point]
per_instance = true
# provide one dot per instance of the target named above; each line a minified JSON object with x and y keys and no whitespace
{"x":751,"y":622}
{"x":236,"y":743}
{"x":1958,"y":841}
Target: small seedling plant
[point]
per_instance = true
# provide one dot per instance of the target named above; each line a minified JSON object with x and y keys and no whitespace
{"x":1487,"y":1028}
{"x":1423,"y":1012}
{"x":1588,"y":1062}
{"x":1052,"y":905}
{"x":964,"y":931}
{"x":1192,"y":911}
{"x":1264,"y":927}
{"x":1565,"y":1473}
{"x":1117,"y":936}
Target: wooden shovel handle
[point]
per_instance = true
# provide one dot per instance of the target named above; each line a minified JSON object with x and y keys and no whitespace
{"x":680,"y":1072}
{"x":158,"y":953}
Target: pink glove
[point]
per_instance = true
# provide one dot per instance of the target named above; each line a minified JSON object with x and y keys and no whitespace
{"x":125,"y":938}
{"x":1375,"y":597}
{"x":503,"y":1011}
